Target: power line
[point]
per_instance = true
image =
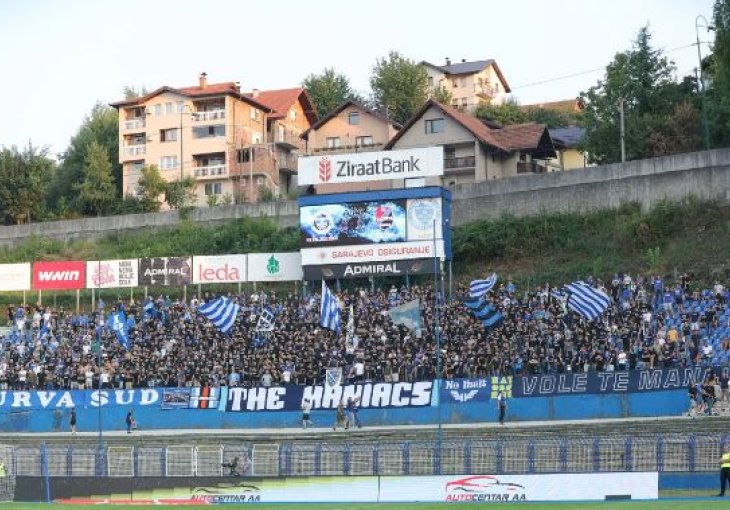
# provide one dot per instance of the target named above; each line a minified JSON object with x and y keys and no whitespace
{"x":589,"y":71}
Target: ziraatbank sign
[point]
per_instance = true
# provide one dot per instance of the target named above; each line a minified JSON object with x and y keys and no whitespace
{"x":371,"y":166}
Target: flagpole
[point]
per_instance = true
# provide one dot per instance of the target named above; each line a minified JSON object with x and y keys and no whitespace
{"x":437,"y":334}
{"x":101,"y":434}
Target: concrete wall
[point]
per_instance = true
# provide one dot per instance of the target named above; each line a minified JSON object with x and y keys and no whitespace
{"x":705,"y":175}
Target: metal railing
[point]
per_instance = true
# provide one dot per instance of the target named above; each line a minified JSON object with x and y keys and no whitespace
{"x":209,"y":115}
{"x":211,"y":171}
{"x":134,"y":124}
{"x":134,"y":150}
{"x":462,"y":162}
{"x":679,"y":453}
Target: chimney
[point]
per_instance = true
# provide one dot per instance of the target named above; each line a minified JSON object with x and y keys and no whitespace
{"x":203,"y":80}
{"x":463,"y":60}
{"x":238,"y":86}
{"x":255,"y":93}
{"x":448,"y":61}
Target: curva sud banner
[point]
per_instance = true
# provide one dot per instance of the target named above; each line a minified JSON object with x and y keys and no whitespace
{"x":109,"y":274}
{"x":366,"y":269}
{"x":371,"y":166}
{"x":165,"y":271}
{"x":219,"y":269}
{"x":15,"y":277}
{"x":61,"y":275}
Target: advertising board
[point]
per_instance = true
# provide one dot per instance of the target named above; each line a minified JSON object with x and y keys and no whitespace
{"x":274,"y":267}
{"x":15,"y":277}
{"x":108,"y":274}
{"x":372,"y":253}
{"x":365,"y":269}
{"x":59,"y":275}
{"x":371,"y":166}
{"x":165,"y":271}
{"x":219,"y":269}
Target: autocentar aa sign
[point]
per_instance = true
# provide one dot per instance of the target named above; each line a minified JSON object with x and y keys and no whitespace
{"x":371,"y":166}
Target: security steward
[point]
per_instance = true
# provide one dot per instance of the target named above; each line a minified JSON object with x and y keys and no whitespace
{"x":3,"y":470}
{"x":724,"y":470}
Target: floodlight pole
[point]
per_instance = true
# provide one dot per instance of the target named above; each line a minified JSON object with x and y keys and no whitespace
{"x":437,"y":335}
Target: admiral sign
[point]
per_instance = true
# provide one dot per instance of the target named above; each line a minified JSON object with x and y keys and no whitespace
{"x":165,"y":271}
{"x":371,"y":166}
{"x":363,"y":270}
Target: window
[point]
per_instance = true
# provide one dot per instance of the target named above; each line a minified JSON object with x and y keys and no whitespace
{"x":167,"y":162}
{"x":496,"y":87}
{"x":464,"y":102}
{"x":168,"y":135}
{"x":256,"y":139}
{"x":180,"y":106}
{"x":434,"y":126}
{"x":455,"y":103}
{"x":254,"y":114}
{"x":430,"y":81}
{"x":353,"y":118}
{"x":363,"y":141}
{"x":244,"y":155}
{"x":293,"y":114}
{"x":456,"y":83}
{"x":209,"y":131}
{"x":449,"y":152}
{"x":213,"y":188}
{"x":168,"y":109}
{"x":333,"y":142}
{"x":137,"y":167}
{"x":463,"y":82}
{"x":158,"y":110}
{"x":259,"y":181}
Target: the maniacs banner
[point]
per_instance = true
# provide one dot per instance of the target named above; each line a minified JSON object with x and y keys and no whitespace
{"x":165,"y":271}
{"x":371,"y":166}
{"x":69,"y":274}
{"x":365,"y":269}
{"x":274,"y":267}
{"x":634,"y":381}
{"x":219,"y":269}
{"x":109,"y":274}
{"x":371,"y":253}
{"x":14,"y":277}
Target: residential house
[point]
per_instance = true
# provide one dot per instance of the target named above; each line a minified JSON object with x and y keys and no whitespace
{"x":351,"y":127}
{"x":470,"y":83}
{"x":274,"y":164}
{"x":567,"y":144}
{"x":475,"y":151}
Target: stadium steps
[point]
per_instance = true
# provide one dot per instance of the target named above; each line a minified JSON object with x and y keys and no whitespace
{"x":512,"y":431}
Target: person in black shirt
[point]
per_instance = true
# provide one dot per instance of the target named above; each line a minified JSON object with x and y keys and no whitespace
{"x":72,"y":420}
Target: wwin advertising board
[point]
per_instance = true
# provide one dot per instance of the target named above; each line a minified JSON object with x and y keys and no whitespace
{"x":371,"y":166}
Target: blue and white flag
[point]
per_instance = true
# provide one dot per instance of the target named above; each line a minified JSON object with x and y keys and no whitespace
{"x":408,"y":315}
{"x":222,"y":312}
{"x":266,"y":320}
{"x":329,"y":310}
{"x":485,"y":312}
{"x":117,"y":322}
{"x":478,"y":288}
{"x":586,"y":300}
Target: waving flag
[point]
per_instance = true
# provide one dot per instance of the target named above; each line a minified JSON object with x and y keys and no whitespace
{"x":329,"y":310}
{"x":222,"y":312}
{"x":485,"y":312}
{"x":409,"y":315}
{"x":586,"y":300}
{"x":266,"y":320}
{"x":478,"y":288}
{"x":117,"y":322}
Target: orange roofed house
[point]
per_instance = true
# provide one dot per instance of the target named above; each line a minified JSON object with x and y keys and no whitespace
{"x":210,"y":132}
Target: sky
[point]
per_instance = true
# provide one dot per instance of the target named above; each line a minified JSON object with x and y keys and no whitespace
{"x":60,"y":57}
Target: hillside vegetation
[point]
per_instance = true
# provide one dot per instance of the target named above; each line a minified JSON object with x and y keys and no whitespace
{"x":689,"y":236}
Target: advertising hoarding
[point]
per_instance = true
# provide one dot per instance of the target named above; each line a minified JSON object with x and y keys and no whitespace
{"x":365,"y":269}
{"x":371,"y":166}
{"x":108,"y":274}
{"x":274,"y":267}
{"x":59,"y":275}
{"x":165,"y":271}
{"x":371,"y":253}
{"x":15,"y":276}
{"x":219,"y":269}
{"x":421,"y":214}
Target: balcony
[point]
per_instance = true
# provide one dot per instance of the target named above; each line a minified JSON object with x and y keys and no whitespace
{"x":134,"y":150}
{"x":288,"y":163}
{"x":349,"y":148}
{"x":530,"y":167}
{"x":285,"y":140}
{"x":134,"y":124}
{"x":209,"y":115}
{"x":484,"y":91}
{"x":457,"y":163}
{"x":210,"y":172}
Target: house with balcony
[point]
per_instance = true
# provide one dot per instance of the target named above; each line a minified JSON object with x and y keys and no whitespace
{"x":475,"y":151}
{"x":351,"y":127}
{"x":194,"y":132}
{"x":470,"y":83}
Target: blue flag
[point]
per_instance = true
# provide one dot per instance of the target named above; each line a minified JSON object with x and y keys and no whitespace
{"x":329,"y":310}
{"x":409,"y":315}
{"x":221,"y":312}
{"x":117,"y":322}
{"x":479,"y":288}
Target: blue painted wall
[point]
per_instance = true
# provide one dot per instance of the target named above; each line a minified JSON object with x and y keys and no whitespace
{"x":566,"y":407}
{"x":689,"y":481}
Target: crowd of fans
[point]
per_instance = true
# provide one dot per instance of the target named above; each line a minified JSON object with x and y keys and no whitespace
{"x":649,"y":324}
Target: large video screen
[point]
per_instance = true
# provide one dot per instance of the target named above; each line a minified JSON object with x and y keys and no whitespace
{"x":353,"y":223}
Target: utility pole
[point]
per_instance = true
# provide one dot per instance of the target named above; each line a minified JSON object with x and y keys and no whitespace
{"x":701,"y":81}
{"x":620,"y":105}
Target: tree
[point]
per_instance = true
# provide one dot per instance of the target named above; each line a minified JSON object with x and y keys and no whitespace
{"x":180,"y":194}
{"x":716,"y":70}
{"x":133,"y":93}
{"x":328,"y":90}
{"x":553,"y":118}
{"x":211,"y":200}
{"x":101,"y":126}
{"x":399,"y":85}
{"x":96,"y":188}
{"x":152,"y":186}
{"x":681,"y":132}
{"x":22,"y":178}
{"x":442,"y":95}
{"x":643,"y":79}
{"x":505,"y":114}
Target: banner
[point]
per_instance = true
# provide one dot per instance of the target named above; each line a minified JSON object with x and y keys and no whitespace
{"x":374,"y":253}
{"x":592,"y":383}
{"x":422,"y":212}
{"x":371,"y":166}
{"x":363,"y":270}
{"x":274,"y":267}
{"x":325,"y":397}
{"x":15,"y":277}
{"x":60,"y":275}
{"x":219,"y":269}
{"x":489,"y":488}
{"x":108,"y":274}
{"x":66,"y":399}
{"x":165,"y":271}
